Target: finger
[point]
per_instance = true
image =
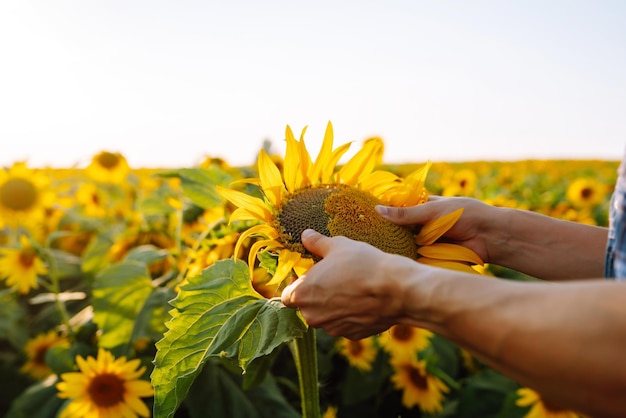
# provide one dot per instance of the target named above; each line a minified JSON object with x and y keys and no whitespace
{"x":410,"y":215}
{"x":287,"y":297}
{"x":315,"y":242}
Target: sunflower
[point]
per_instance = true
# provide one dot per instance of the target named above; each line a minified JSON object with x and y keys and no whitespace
{"x":359,"y":353}
{"x":21,"y":266}
{"x":36,"y":349}
{"x":24,"y":195}
{"x":461,"y":183}
{"x":105,"y":387}
{"x":108,"y":167}
{"x":540,"y":408}
{"x":586,"y":192}
{"x":404,"y":340}
{"x":419,"y":388}
{"x":335,"y":201}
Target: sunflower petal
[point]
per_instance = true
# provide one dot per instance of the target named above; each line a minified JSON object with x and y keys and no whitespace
{"x":452,"y":252}
{"x":362,"y":163}
{"x":262,"y":229}
{"x":286,"y":260}
{"x":447,"y":264}
{"x":324,"y":156}
{"x":252,"y":204}
{"x":271,"y":180}
{"x":291,"y":168}
{"x":434,"y":229}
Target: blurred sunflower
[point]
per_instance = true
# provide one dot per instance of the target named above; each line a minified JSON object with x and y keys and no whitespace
{"x":419,"y":388}
{"x":24,"y":196}
{"x":404,"y":340}
{"x":359,"y":353}
{"x":315,"y":194}
{"x":540,"y":408}
{"x":586,"y":192}
{"x":36,"y":349}
{"x":460,"y":183}
{"x":20,"y":266}
{"x":105,"y":387}
{"x":108,"y":167}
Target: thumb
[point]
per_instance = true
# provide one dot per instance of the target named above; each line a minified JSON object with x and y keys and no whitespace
{"x":315,"y":242}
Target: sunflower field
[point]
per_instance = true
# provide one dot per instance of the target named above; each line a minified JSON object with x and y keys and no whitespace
{"x":135,"y":292}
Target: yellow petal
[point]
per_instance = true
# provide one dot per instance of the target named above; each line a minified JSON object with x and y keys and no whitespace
{"x":304,"y":162}
{"x":291,"y":167}
{"x":271,"y":180}
{"x":252,"y":204}
{"x":303,"y":265}
{"x":286,"y":261}
{"x":447,"y":264}
{"x":447,"y":251}
{"x":323,"y":157}
{"x":361,"y":164}
{"x":434,"y":229}
{"x":263,"y":230}
{"x":269,"y":244}
{"x":329,"y":168}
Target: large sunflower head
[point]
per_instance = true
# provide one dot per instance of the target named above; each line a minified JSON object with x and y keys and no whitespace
{"x":105,"y":387}
{"x":334,"y":200}
{"x":24,"y":195}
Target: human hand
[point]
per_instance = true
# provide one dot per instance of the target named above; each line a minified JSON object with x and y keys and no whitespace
{"x":470,"y":230}
{"x":354,"y":291}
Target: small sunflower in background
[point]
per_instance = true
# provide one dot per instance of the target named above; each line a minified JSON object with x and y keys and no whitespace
{"x":359,"y":353}
{"x":24,"y":196}
{"x":21,"y":266}
{"x":404,"y":340}
{"x":460,"y":183}
{"x":540,"y":408}
{"x":419,"y":388}
{"x":105,"y":387}
{"x":108,"y":167}
{"x":335,"y":201}
{"x":36,"y":349}
{"x":586,"y":192}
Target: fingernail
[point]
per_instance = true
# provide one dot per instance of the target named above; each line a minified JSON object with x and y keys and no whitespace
{"x":382,"y":210}
{"x":308,"y":233}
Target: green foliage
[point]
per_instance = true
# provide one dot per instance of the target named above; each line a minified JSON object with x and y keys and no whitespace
{"x":217,"y":314}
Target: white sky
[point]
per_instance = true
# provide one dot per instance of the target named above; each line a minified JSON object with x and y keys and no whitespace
{"x":167,"y":83}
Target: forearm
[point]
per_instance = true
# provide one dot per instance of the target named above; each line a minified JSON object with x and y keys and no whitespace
{"x":560,"y":339}
{"x":545,"y":247}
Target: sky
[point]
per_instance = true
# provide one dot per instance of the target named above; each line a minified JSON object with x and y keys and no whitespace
{"x":168,"y":84}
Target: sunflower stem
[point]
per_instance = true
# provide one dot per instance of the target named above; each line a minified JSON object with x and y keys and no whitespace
{"x":305,"y":357}
{"x":55,"y":287}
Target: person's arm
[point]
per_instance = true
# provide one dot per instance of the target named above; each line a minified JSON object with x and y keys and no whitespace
{"x":535,"y":244}
{"x":565,"y":340}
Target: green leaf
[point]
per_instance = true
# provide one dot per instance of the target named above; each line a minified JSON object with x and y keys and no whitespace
{"x":150,"y":321}
{"x":222,"y":390}
{"x":485,"y":394}
{"x":147,"y":254}
{"x":119,"y":292}
{"x":12,"y":320}
{"x":217,"y":314}
{"x":199,"y":184}
{"x":38,"y":401}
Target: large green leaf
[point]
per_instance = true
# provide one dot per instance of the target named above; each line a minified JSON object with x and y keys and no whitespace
{"x":217,"y":314}
{"x":199,"y":184}
{"x":219,"y":393}
{"x":119,"y":292}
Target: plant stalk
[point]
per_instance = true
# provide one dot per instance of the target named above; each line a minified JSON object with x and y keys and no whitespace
{"x":305,"y":356}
